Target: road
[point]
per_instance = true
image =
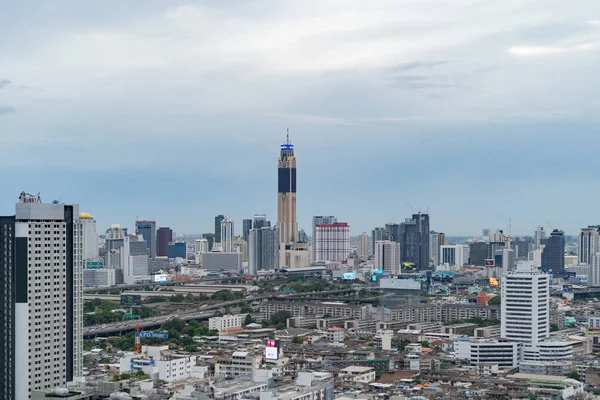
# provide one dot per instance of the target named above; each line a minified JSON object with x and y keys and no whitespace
{"x":203,"y":312}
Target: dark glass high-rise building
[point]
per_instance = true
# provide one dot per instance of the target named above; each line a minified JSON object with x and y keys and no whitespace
{"x":260,"y":221}
{"x":246,"y":226}
{"x":553,"y":255}
{"x":164,"y":236}
{"x":392,"y":232}
{"x":218,"y":219}
{"x":414,"y":241}
{"x":210,"y":237}
{"x":148,"y":230}
{"x":263,"y":250}
{"x":478,"y":253}
{"x":377,"y":235}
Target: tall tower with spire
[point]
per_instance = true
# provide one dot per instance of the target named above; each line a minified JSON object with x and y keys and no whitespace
{"x":286,"y":194}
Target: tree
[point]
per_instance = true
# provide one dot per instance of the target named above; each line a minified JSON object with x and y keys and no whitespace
{"x":246,"y":309}
{"x":425,"y":343}
{"x":575,"y":375}
{"x":140,"y":373}
{"x":297,"y":340}
{"x":554,"y":328}
{"x":249,"y":320}
{"x":495,"y":301}
{"x":281,"y":317}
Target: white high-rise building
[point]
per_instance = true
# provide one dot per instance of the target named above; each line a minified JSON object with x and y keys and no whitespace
{"x":117,"y":254}
{"x":588,"y":244}
{"x":455,"y":254}
{"x":90,"y":236}
{"x":319,"y":220}
{"x":508,"y":260}
{"x":227,"y":235}
{"x":539,"y":235}
{"x":201,"y":248}
{"x":48,"y":317}
{"x":332,"y":242}
{"x":525,"y":309}
{"x":362,"y":246}
{"x":594,"y":270}
{"x":387,"y":257}
{"x":436,"y":239}
{"x":497,"y":236}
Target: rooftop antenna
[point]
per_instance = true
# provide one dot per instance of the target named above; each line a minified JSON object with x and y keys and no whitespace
{"x":288,"y":135}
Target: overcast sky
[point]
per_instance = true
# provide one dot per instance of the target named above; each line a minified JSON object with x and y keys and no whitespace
{"x":481,"y":111}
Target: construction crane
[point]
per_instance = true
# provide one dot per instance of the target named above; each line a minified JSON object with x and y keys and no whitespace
{"x":420,"y":211}
{"x":550,"y":225}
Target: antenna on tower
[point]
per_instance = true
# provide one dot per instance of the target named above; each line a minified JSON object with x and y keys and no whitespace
{"x":288,"y":135}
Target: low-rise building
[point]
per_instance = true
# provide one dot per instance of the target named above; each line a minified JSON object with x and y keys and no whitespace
{"x":240,"y":363}
{"x":335,"y":334}
{"x":505,"y":354}
{"x":226,"y":321}
{"x":160,"y":362}
{"x":358,"y":374}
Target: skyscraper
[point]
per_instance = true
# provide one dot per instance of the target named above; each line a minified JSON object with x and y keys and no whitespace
{"x":41,"y":256}
{"x":218,"y":219}
{"x":525,"y":309}
{"x":148,"y":230}
{"x":210,"y":238}
{"x":454,"y":254}
{"x":538,"y":237}
{"x":387,"y":257}
{"x":588,"y":243}
{"x":117,"y":254}
{"x":376,"y":235}
{"x":227,"y":235}
{"x":263,"y":250}
{"x":478,"y":253}
{"x":414,"y":240}
{"x":436,"y":239}
{"x":553,"y":255}
{"x":202,"y":246}
{"x":318,"y":220}
{"x":164,"y":236}
{"x":286,"y":195}
{"x":332,"y":242}
{"x":260,"y":221}
{"x":508,"y":260}
{"x":362,"y":246}
{"x":90,"y":236}
{"x":246,"y":226}
{"x":392,"y":232}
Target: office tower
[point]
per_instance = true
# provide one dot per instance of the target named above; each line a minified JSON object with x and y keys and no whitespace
{"x":539,"y":236}
{"x":588,"y":243}
{"x":201,"y":247}
{"x":138,"y":246}
{"x":332,"y":242}
{"x":286,"y":195}
{"x":177,"y":250}
{"x":414,"y":241}
{"x":525,"y":308}
{"x":436,"y":239}
{"x":498,"y":236}
{"x":392,"y":232}
{"x":241,"y":246}
{"x":387,"y":257}
{"x":263,"y":250}
{"x":522,"y":247}
{"x":210,"y":238}
{"x":246,"y":226}
{"x":227,"y":235}
{"x":494,"y":248}
{"x":148,"y":230}
{"x":164,"y":236}
{"x":377,"y":235}
{"x":218,"y":219}
{"x":260,"y":221}
{"x":362,"y":246}
{"x":508,"y":260}
{"x":117,"y":253}
{"x":90,"y":236}
{"x":41,"y":255}
{"x":454,"y":254}
{"x":478,"y":253}
{"x":553,"y":255}
{"x":319,"y":220}
{"x":302,"y":236}
{"x":594,"y":275}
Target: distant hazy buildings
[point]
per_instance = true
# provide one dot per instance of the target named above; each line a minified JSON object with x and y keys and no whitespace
{"x":246,"y":226}
{"x":553,"y":255}
{"x":260,"y":221}
{"x":508,"y":260}
{"x":148,"y":230}
{"x":538,"y":237}
{"x":362,"y":246}
{"x":478,"y":253}
{"x":227,"y":235}
{"x":332,"y":242}
{"x":263,"y":250}
{"x":319,"y":220}
{"x":219,"y":261}
{"x":414,"y":241}
{"x":387,"y":257}
{"x":436,"y":239}
{"x":164,"y":237}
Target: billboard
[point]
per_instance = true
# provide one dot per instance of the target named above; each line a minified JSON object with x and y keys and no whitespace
{"x":490,"y":262}
{"x":493,"y":282}
{"x":161,"y":278}
{"x":94,"y":265}
{"x":349,"y":275}
{"x":131,"y":300}
{"x":152,"y":335}
{"x":374,"y":278}
{"x":379,"y":271}
{"x":272,"y":349}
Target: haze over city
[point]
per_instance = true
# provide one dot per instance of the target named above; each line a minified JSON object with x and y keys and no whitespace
{"x":175,"y":111}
